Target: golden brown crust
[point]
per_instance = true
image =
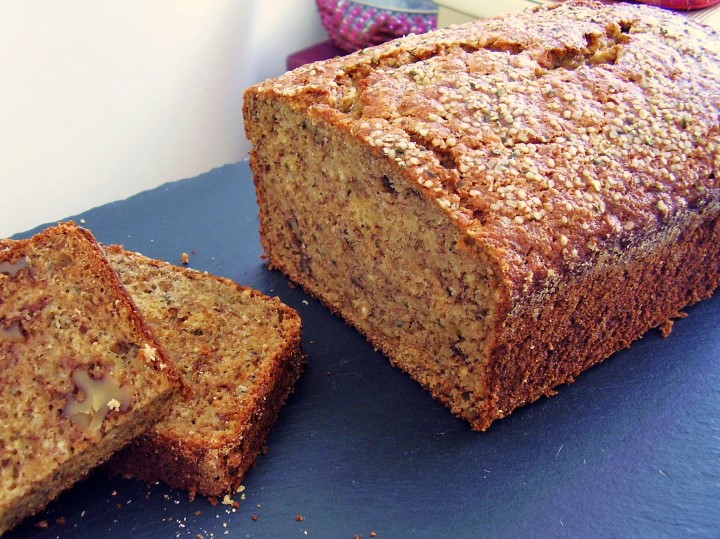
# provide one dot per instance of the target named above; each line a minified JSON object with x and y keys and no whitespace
{"x":605,"y":310}
{"x":239,"y":351}
{"x":533,"y":156}
{"x":80,"y":373}
{"x":550,"y":136}
{"x":192,"y":465}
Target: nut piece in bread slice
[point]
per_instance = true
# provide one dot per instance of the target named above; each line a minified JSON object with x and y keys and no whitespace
{"x":239,"y":352}
{"x":80,"y":373}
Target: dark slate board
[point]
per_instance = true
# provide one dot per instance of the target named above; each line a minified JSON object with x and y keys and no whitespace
{"x":631,"y":449}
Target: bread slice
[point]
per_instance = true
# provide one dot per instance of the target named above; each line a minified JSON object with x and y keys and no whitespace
{"x":500,"y":205}
{"x":238,"y":350}
{"x":80,"y":373}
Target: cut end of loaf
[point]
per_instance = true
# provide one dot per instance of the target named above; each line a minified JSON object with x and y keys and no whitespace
{"x":366,"y":243}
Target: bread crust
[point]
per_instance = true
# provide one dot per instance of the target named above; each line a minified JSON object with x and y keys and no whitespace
{"x":554,"y":150}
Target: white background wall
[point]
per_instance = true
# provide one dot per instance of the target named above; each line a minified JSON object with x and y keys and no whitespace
{"x":102,"y":100}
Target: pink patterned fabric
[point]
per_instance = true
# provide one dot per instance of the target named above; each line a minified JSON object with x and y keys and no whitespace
{"x":681,"y":4}
{"x":353,"y":26}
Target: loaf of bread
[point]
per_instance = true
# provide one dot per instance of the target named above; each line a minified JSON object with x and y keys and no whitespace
{"x":80,"y":374}
{"x":238,"y":351}
{"x":500,"y":205}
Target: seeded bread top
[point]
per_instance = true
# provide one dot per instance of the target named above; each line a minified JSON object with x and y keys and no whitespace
{"x":550,"y":136}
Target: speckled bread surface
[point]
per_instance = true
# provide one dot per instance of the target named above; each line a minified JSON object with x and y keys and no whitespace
{"x":500,"y":205}
{"x":80,"y":373}
{"x":238,"y":351}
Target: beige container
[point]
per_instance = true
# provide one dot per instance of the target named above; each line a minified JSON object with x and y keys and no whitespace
{"x":460,"y":11}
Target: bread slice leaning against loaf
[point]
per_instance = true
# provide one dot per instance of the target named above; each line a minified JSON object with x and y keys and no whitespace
{"x":80,"y":373}
{"x":499,"y":205}
{"x":238,"y":350}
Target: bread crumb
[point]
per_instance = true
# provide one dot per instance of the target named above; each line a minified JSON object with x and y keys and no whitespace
{"x":149,"y":352}
{"x":114,"y":405}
